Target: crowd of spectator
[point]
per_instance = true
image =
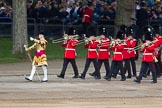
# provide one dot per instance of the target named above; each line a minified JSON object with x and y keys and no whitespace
{"x":5,"y":9}
{"x":71,"y":11}
{"x":150,"y":10}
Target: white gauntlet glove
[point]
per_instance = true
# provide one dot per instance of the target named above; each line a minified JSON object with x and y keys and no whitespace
{"x":31,"y":38}
{"x":25,"y":46}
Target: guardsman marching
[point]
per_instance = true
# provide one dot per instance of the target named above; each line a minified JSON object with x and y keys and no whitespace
{"x":157,"y":53}
{"x":40,"y":59}
{"x":158,"y":49}
{"x":147,"y":59}
{"x":91,"y":45}
{"x":103,"y":53}
{"x":70,"y":54}
{"x":117,"y":60}
{"x":126,"y":56}
{"x":132,"y":53}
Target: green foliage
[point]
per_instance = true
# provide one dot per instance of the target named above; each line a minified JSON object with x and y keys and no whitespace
{"x":54,"y":51}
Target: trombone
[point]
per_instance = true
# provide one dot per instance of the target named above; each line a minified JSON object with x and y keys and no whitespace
{"x":86,"y":40}
{"x":143,"y":44}
{"x":65,"y":37}
{"x":114,"y":41}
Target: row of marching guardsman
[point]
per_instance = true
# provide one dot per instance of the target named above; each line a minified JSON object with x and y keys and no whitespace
{"x":123,"y":50}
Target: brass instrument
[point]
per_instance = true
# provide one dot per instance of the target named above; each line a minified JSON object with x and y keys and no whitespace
{"x":87,"y":40}
{"x":142,"y":45}
{"x":116,"y":41}
{"x":65,"y":37}
{"x":155,"y":59}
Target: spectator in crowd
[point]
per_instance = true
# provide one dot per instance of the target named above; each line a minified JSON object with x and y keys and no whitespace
{"x":8,"y":11}
{"x":54,"y":12}
{"x":153,"y":15}
{"x":43,"y":10}
{"x":87,"y":17}
{"x":109,"y":13}
{"x":142,"y":16}
{"x":30,"y":9}
{"x":63,"y":14}
{"x":73,"y":13}
{"x":101,"y":12}
{"x":2,"y":12}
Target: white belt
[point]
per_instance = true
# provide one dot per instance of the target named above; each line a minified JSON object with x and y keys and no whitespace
{"x":102,"y":50}
{"x":70,"y":49}
{"x":147,"y":54}
{"x":117,"y":53}
{"x":91,"y":49}
{"x":38,"y":51}
{"x":87,"y":15}
{"x":129,"y":48}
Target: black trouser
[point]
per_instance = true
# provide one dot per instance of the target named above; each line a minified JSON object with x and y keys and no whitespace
{"x":115,"y":67}
{"x":159,"y":63}
{"x":88,"y":62}
{"x":127,"y":67}
{"x":65,"y":64}
{"x":133,"y":64}
{"x":106,"y":64}
{"x":85,"y":28}
{"x":144,"y":67}
{"x":157,"y":70}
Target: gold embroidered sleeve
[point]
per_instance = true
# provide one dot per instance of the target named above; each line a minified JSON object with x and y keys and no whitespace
{"x":31,"y":47}
{"x":36,"y":41}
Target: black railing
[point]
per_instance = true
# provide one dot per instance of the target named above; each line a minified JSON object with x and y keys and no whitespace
{"x":55,"y":27}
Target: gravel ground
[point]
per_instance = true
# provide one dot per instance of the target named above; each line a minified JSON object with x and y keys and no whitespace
{"x":15,"y":91}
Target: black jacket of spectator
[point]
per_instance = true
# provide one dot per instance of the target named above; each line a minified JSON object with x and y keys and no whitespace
{"x":142,"y":17}
{"x":54,"y":12}
{"x":63,"y":14}
{"x":43,"y":12}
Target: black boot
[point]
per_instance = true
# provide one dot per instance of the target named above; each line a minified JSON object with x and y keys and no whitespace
{"x":75,"y":76}
{"x":60,"y":76}
{"x":92,"y":74}
{"x":137,"y":80}
{"x":82,"y":77}
{"x":154,"y":81}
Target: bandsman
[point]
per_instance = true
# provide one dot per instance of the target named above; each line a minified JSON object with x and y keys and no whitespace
{"x":117,"y":60}
{"x":103,"y":53}
{"x":126,"y":56}
{"x":91,"y":45}
{"x":132,"y":53}
{"x":70,"y":53}
{"x":147,"y":60}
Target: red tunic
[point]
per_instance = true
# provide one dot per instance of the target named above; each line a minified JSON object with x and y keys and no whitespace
{"x":148,"y":53}
{"x":118,"y":49}
{"x":87,"y":15}
{"x":92,"y":52}
{"x":103,"y":52}
{"x":125,"y":52}
{"x":157,"y":42}
{"x":70,"y":46}
{"x":132,"y":52}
